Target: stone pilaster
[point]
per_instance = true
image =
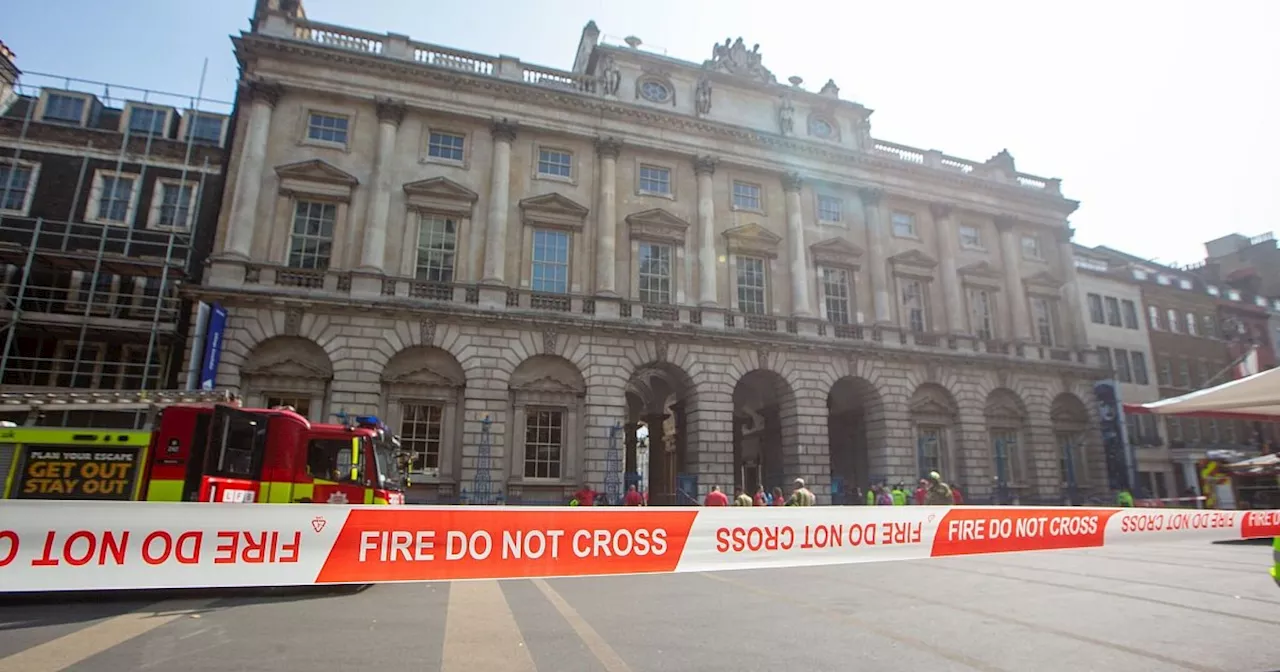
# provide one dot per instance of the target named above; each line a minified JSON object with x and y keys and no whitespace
{"x":704,"y":167}
{"x":1071,"y":289}
{"x":791,"y":184}
{"x":877,"y":234}
{"x":262,"y":97}
{"x":495,"y":236}
{"x":1011,"y":253}
{"x":373,"y":254}
{"x":949,"y":277}
{"x":607,"y":218}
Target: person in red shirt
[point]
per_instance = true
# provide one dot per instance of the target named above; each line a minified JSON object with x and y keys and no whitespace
{"x":778,"y":499}
{"x":632,"y":497}
{"x":716,"y":498}
{"x":585,"y":496}
{"x":760,"y":499}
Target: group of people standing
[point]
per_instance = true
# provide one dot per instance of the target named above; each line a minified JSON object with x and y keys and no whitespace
{"x":800,"y":496}
{"x":931,"y":491}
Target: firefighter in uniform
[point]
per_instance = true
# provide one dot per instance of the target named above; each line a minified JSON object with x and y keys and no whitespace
{"x":1275,"y":560}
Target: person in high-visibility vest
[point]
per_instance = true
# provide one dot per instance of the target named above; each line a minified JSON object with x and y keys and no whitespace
{"x":1275,"y":560}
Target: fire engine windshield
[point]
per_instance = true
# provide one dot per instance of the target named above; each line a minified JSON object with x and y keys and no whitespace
{"x":385,"y":451}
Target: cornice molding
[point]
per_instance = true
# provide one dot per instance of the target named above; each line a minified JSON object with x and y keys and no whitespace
{"x":249,"y":47}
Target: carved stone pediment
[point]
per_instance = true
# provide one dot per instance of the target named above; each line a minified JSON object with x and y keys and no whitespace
{"x":441,"y":195}
{"x":836,"y":252}
{"x":657,"y":225}
{"x":1002,"y":408}
{"x":288,"y":367}
{"x":914,"y":263}
{"x":753,"y":240}
{"x":553,"y":210}
{"x":1069,"y":411}
{"x":930,"y":406}
{"x":425,"y":376}
{"x":982,"y":274}
{"x":551,"y":384}
{"x":316,"y":177}
{"x":1043,"y":283}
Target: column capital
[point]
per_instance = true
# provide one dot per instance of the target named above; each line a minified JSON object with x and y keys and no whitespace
{"x":608,"y":147}
{"x":504,"y":130}
{"x":1005,"y":223}
{"x":941,"y":210}
{"x":791,"y":181}
{"x":870,"y":195}
{"x":262,"y":90}
{"x":705,"y":165}
{"x":390,"y":111}
{"x":1064,"y":234}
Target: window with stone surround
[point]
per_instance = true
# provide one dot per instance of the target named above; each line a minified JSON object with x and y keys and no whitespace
{"x":655,"y":273}
{"x":65,"y":108}
{"x":1191,"y":325}
{"x":78,"y":365}
{"x":555,"y":163}
{"x":1171,"y":321}
{"x":1043,"y":318}
{"x":147,"y":120}
{"x":904,"y":224}
{"x":1071,"y":463}
{"x":1184,"y":374}
{"x":311,"y":237}
{"x":933,"y":413}
{"x":547,"y":397}
{"x":204,"y":128}
{"x":970,"y":237}
{"x":113,"y":198}
{"x":753,"y":285}
{"x":1006,"y":460}
{"x":982,"y":319}
{"x":549,"y":270}
{"x":17,"y":186}
{"x":1164,"y":372}
{"x":1031,"y":248}
{"x":173,"y":205}
{"x":1140,"y":375}
{"x":1096,"y":314}
{"x":747,"y":196}
{"x":1130,"y":314}
{"x":445,"y":146}
{"x":1113,"y":312}
{"x":437,"y":249}
{"x":830,"y":209}
{"x":328,"y":128}
{"x":932,"y":448}
{"x":914,"y":298}
{"x":837,"y":295}
{"x":1153,"y":317}
{"x":1123,"y":373}
{"x":287,"y":371}
{"x":543,"y":443}
{"x":1105,"y":354}
{"x":655,"y":180}
{"x":422,"y":436}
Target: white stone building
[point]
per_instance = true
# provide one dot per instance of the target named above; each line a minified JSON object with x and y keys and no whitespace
{"x":514,"y":265}
{"x":1116,"y":324}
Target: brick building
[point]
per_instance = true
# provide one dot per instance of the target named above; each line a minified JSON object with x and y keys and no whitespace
{"x":516,"y":266}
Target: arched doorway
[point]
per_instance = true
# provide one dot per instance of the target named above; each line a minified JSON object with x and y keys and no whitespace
{"x":1070,"y":421}
{"x":764,"y":432}
{"x":545,"y":447}
{"x":855,"y":421}
{"x":1006,"y":435}
{"x":288,"y":371}
{"x":933,"y":414}
{"x":660,"y":399}
{"x":422,"y":398}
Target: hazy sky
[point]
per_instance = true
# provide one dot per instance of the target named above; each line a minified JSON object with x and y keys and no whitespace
{"x":1162,"y":118}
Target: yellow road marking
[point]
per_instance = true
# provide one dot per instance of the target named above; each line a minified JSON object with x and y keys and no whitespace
{"x":59,"y":654}
{"x":604,"y":653}
{"x":480,"y":632}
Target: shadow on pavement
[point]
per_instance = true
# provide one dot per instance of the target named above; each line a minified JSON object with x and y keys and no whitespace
{"x":1244,"y":542}
{"x":34,"y":610}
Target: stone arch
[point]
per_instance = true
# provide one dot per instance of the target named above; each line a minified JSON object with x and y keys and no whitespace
{"x":288,"y":371}
{"x":1078,"y":460}
{"x":547,"y":407}
{"x":765,"y":431}
{"x":934,"y":415}
{"x":661,"y":396}
{"x":1008,"y":437}
{"x":855,"y":422}
{"x":422,"y":397}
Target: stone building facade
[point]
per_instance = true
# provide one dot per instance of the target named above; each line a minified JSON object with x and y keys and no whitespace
{"x":516,"y":266}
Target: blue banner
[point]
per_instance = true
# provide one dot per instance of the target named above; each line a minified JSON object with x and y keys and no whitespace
{"x":213,"y":346}
{"x":1114,"y":443}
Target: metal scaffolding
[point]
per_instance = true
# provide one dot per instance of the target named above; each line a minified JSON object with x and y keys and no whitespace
{"x":95,"y":305}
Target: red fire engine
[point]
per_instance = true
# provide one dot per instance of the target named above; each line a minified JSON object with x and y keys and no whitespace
{"x":204,"y":448}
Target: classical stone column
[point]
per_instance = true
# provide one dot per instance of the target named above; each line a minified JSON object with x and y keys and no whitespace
{"x":949,"y":276}
{"x":607,"y":218}
{"x":791,"y":184}
{"x":877,"y":233}
{"x":495,"y":235}
{"x":1071,"y":288}
{"x":704,"y":167}
{"x":373,"y":255}
{"x":248,"y":187}
{"x":1011,"y":252}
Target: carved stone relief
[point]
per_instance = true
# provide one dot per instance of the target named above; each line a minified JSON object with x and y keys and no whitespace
{"x":660,"y":349}
{"x":292,"y":321}
{"x":787,"y":116}
{"x":733,"y":58}
{"x":427,"y":332}
{"x":702,"y":97}
{"x":610,"y":77}
{"x":550,"y":342}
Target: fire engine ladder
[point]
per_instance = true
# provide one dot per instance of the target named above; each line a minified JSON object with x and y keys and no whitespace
{"x":148,"y":401}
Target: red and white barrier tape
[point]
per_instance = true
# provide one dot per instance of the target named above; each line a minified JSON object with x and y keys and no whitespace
{"x":54,"y":546}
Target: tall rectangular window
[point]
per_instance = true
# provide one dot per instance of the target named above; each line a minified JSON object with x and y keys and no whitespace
{"x":1164,"y":372}
{"x":311,"y":241}
{"x":437,"y":249}
{"x":1208,"y":327}
{"x":655,"y":273}
{"x":1153,"y":316}
{"x":117,"y":195}
{"x":913,"y":305}
{"x":15,"y":181}
{"x":1123,"y":374}
{"x":1172,"y":320}
{"x":1140,"y":368}
{"x":1105,"y":355}
{"x":1191,"y":325}
{"x":1184,"y":373}
{"x":981,"y":314}
{"x":1113,"y":311}
{"x":1042,"y":315}
{"x":752,"y":286}
{"x":1130,"y":314}
{"x":550,"y":270}
{"x":327,"y":128}
{"x":931,"y":448}
{"x":1096,"y":313}
{"x":543,"y":442}
{"x":835,"y":295}
{"x":175,"y":205}
{"x":421,"y":435}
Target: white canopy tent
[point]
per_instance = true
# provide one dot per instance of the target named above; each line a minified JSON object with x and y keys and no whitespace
{"x":1256,"y":397}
